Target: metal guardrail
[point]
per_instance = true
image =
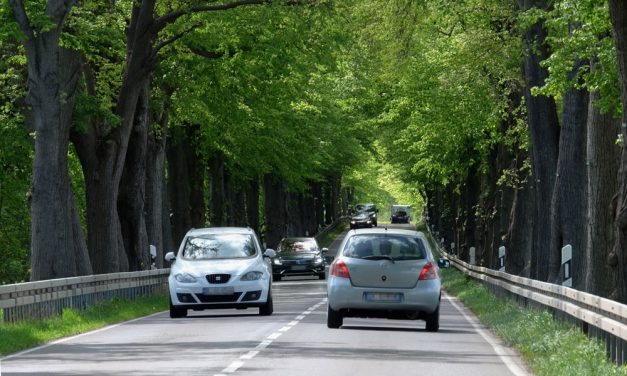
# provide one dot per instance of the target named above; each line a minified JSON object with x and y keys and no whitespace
{"x":48,"y":298}
{"x":598,"y":317}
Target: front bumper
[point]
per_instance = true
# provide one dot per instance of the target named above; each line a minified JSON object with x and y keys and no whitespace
{"x":196,"y":295}
{"x":298,"y":269}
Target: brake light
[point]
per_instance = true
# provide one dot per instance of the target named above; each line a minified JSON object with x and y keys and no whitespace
{"x":340,"y":269}
{"x":428,"y":272}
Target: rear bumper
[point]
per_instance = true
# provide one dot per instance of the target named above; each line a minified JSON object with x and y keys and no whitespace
{"x":343,"y":296}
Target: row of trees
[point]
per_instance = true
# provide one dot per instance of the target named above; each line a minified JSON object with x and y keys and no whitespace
{"x":147,"y":118}
{"x":507,"y":116}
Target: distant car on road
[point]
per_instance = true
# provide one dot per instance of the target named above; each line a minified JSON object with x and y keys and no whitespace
{"x":384,"y":273}
{"x":365,"y":215}
{"x":220,"y":267}
{"x":299,"y":256}
{"x":400,"y":214}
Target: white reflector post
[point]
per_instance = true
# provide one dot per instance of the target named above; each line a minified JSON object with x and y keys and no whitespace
{"x":567,"y":257}
{"x":502,"y":258}
{"x":473,"y":254}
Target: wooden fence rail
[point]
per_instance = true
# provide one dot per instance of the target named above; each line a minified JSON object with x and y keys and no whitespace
{"x":598,"y":317}
{"x":44,"y":299}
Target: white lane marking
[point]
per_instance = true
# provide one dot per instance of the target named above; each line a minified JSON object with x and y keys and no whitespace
{"x":268,"y":341}
{"x":233,"y":367}
{"x":76,"y":336}
{"x":249,"y":355}
{"x":505,"y":357}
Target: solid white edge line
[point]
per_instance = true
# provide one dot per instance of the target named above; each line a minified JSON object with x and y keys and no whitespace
{"x":233,"y":367}
{"x":61,"y":340}
{"x":504,"y":355}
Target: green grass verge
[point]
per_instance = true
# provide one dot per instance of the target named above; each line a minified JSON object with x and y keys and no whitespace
{"x":551,"y":348}
{"x":330,"y":237}
{"x":24,"y":335}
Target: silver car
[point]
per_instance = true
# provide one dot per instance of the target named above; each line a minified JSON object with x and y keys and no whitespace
{"x":384,"y":273}
{"x":220,"y":267}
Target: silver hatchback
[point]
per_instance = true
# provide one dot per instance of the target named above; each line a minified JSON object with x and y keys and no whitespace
{"x":384,"y":273}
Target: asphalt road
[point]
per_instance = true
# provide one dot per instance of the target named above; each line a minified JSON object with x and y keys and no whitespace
{"x":293,"y":341}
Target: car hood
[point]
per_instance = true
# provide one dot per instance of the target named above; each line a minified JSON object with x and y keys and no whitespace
{"x":227,"y":266}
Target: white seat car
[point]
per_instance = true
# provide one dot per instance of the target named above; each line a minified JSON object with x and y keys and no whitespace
{"x":220,"y":267}
{"x":384,"y":273}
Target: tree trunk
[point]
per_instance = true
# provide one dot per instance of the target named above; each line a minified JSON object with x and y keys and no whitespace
{"x":157,"y":219}
{"x":217,"y":214}
{"x":275,"y":210}
{"x":618,"y":13}
{"x":178,"y":182}
{"x":252,"y":205}
{"x":57,"y":240}
{"x":568,"y":209}
{"x":602,"y":158}
{"x":544,"y":129}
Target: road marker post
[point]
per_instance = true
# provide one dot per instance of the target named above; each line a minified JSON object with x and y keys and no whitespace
{"x":502,"y":258}
{"x":567,"y":257}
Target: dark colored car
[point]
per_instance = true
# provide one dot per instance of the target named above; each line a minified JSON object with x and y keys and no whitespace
{"x":400,"y":214}
{"x":299,"y":256}
{"x":365,"y":215}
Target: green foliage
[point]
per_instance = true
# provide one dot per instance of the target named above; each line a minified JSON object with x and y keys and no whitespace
{"x":24,"y":335}
{"x":551,"y":348}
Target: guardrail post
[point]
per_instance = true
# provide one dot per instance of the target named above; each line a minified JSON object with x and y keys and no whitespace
{"x":567,"y":256}
{"x":453,"y":248}
{"x":473,"y":252}
{"x":502,"y":258}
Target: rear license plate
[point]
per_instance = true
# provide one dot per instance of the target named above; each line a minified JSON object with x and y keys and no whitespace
{"x":387,"y":297}
{"x":226,"y":290}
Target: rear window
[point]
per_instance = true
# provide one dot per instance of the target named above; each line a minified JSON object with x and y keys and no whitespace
{"x":377,"y":247}
{"x":218,"y":246}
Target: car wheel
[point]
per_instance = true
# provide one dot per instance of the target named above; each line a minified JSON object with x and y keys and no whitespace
{"x":322,"y":275}
{"x":433,"y":321}
{"x":267,"y":308}
{"x":334,"y":318}
{"x":276,"y":277}
{"x":177,"y":313}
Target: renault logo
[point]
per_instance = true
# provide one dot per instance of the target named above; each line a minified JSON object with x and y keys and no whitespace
{"x":384,"y":278}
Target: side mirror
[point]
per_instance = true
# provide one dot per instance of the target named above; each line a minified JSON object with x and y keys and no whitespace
{"x":270,"y":253}
{"x":170,"y":256}
{"x":444,"y":263}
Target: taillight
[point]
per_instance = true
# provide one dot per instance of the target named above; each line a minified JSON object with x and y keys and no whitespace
{"x":340,"y":269}
{"x":428,"y":272}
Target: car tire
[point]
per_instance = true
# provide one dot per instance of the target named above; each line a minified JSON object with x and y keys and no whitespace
{"x":334,"y":318}
{"x":433,"y":320}
{"x":177,"y":313}
{"x":276,"y":277}
{"x":322,"y":275}
{"x":267,"y":308}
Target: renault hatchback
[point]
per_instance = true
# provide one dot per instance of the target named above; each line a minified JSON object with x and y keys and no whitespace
{"x":384,"y":273}
{"x":220,"y":267}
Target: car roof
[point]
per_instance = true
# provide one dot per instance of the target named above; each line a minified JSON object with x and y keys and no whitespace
{"x":220,"y":230}
{"x":384,"y":230}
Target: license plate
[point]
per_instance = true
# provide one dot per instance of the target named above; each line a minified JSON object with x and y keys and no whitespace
{"x":387,"y":297}
{"x":226,"y":290}
{"x":299,"y":267}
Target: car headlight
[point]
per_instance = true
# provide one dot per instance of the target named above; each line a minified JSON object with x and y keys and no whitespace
{"x":353,"y":222}
{"x":252,"y":276}
{"x":277,"y":261}
{"x":185,"y":278}
{"x":318,"y":260}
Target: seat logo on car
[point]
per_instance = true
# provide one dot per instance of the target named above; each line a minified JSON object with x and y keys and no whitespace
{"x":384,"y":278}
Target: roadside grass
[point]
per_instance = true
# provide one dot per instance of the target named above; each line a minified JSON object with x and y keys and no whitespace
{"x":551,"y":348}
{"x":330,"y":237}
{"x":27,"y":334}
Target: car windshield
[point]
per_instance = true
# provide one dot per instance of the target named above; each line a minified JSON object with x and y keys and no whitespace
{"x":363,"y":208}
{"x":294,"y":246}
{"x":384,"y":246}
{"x":218,"y":246}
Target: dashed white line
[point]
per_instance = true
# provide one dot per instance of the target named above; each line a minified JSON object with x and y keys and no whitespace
{"x":268,"y":341}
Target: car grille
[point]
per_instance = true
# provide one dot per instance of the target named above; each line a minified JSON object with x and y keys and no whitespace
{"x":218,"y":298}
{"x":218,"y":278}
{"x":297,"y":262}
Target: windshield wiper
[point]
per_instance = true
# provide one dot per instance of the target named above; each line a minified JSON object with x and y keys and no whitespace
{"x":379,"y":257}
